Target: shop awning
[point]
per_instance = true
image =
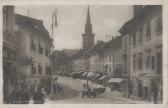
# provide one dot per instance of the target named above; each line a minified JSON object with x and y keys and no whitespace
{"x":103,"y":77}
{"x":91,"y":74}
{"x":97,"y":75}
{"x":115,"y":80}
{"x":84,"y":73}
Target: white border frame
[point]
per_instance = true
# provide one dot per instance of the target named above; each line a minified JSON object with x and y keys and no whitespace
{"x":164,"y":3}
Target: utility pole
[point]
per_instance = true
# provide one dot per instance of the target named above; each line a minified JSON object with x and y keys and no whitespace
{"x":87,"y":81}
{"x":129,"y":66}
{"x":54,"y":24}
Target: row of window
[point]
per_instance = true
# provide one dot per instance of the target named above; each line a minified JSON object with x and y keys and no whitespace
{"x":151,"y":62}
{"x":108,"y":68}
{"x":40,"y":49}
{"x":109,"y":58}
{"x":146,"y":31}
{"x":40,"y":70}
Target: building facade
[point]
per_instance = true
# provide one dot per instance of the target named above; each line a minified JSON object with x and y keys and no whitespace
{"x":144,"y":33}
{"x":78,"y":62}
{"x":146,"y":53}
{"x":112,"y":57}
{"x":33,"y":48}
{"x":126,"y":56}
{"x":9,"y":52}
{"x":94,"y":56}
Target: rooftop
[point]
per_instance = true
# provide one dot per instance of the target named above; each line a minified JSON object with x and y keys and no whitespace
{"x":35,"y":23}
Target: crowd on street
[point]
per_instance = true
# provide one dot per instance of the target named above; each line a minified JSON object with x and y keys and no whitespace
{"x":22,"y":96}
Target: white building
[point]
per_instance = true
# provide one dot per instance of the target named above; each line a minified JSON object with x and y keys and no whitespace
{"x":33,"y":48}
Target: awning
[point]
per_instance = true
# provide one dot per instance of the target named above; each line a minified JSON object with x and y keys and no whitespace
{"x":115,"y":80}
{"x":97,"y":86}
{"x":91,"y":74}
{"x":97,"y":75}
{"x":103,"y":77}
{"x":84,"y":73}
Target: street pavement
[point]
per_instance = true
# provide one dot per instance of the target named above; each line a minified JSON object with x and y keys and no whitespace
{"x":108,"y":97}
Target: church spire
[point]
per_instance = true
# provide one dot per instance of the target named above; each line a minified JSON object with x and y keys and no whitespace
{"x":88,"y":36}
{"x":88,"y":22}
{"x":88,"y":25}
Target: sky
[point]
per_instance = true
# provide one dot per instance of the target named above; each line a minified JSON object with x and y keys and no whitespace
{"x":106,"y":20}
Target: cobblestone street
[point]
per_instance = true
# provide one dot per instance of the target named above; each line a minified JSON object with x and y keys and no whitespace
{"x":114,"y":97}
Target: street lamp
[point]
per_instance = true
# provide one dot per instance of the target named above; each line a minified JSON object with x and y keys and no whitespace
{"x":87,"y":82}
{"x":54,"y":24}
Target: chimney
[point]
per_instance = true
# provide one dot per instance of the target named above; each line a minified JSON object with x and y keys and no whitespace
{"x":137,"y":9}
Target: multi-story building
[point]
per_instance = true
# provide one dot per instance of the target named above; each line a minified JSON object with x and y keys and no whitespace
{"x":107,"y":60}
{"x":144,"y":33}
{"x":113,"y":62}
{"x":78,"y":62}
{"x":126,"y":56}
{"x":9,"y":51}
{"x":33,"y":49}
{"x":112,"y":57}
{"x":117,"y":57}
{"x":93,"y":55}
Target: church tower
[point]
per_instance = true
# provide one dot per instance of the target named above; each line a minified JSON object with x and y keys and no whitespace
{"x":88,"y":36}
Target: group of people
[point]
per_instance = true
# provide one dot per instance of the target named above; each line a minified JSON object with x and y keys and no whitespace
{"x":22,"y":96}
{"x":90,"y":90}
{"x":19,"y":96}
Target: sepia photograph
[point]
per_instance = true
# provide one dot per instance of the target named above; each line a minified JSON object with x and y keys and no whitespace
{"x":82,"y":54}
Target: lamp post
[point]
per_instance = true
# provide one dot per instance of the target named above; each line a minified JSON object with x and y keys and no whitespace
{"x":54,"y":24}
{"x":87,"y":82}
